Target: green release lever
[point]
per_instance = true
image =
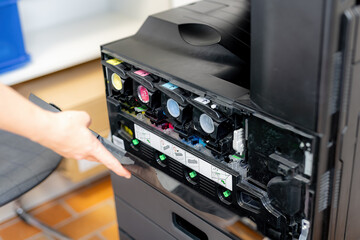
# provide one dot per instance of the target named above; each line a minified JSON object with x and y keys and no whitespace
{"x":192,"y":174}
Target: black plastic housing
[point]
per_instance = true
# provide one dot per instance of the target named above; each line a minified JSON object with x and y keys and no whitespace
{"x":126,"y":85}
{"x":248,"y":195}
{"x":180,"y":97}
{"x":222,"y":125}
{"x":294,"y":113}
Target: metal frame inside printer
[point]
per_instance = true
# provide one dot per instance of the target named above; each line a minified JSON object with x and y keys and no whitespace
{"x":252,"y":104}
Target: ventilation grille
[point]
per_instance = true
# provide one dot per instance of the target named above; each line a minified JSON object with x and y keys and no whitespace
{"x":207,"y":185}
{"x":335,"y":96}
{"x":147,"y":152}
{"x":175,"y":168}
{"x":337,"y":187}
{"x":324,"y":191}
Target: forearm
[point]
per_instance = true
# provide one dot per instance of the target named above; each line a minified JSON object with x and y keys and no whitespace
{"x":65,"y":132}
{"x":20,"y":116}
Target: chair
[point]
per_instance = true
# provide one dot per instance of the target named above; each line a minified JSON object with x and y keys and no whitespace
{"x":24,"y":165}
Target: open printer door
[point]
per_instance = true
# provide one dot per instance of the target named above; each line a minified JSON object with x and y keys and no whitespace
{"x":172,"y":210}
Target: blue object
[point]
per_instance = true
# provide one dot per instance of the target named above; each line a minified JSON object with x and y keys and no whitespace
{"x":12,"y":50}
{"x":173,"y":107}
{"x":170,"y":86}
{"x":202,"y":142}
{"x":194,"y":140}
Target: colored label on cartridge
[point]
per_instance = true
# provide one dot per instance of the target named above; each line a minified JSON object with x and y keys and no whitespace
{"x":202,"y":100}
{"x":114,"y":61}
{"x":142,"y":73}
{"x":170,"y":86}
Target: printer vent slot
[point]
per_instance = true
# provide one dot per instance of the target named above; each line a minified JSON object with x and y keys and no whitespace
{"x":147,"y":152}
{"x":207,"y":186}
{"x":175,"y":168}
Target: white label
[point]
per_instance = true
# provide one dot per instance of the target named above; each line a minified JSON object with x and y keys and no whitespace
{"x":142,"y":134}
{"x":220,"y":176}
{"x":206,"y":169}
{"x":118,"y":142}
{"x":308,"y":163}
{"x":166,"y":147}
{"x":155,"y":141}
{"x":178,"y":154}
{"x":192,"y":162}
{"x":202,"y":100}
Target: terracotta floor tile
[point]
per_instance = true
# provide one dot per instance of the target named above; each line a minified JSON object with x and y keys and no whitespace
{"x":89,"y":222}
{"x":94,"y":238}
{"x":111,"y":232}
{"x":8,"y":222}
{"x":89,"y":197}
{"x":43,"y":206}
{"x":18,"y":231}
{"x":53,"y":215}
{"x":40,"y":237}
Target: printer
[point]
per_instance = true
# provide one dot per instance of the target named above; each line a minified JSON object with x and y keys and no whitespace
{"x":239,"y":120}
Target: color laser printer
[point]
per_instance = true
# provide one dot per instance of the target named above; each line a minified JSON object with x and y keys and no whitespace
{"x":240,"y":112}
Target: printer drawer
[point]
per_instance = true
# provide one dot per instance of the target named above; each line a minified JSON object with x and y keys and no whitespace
{"x":168,"y":215}
{"x":135,"y":225}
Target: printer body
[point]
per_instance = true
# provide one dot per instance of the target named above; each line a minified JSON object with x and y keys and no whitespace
{"x":244,"y":111}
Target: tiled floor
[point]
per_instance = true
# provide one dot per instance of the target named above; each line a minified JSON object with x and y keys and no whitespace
{"x":87,"y":213}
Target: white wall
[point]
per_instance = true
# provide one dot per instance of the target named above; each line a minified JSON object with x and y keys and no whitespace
{"x":177,"y":3}
{"x":140,"y":8}
{"x":42,"y":14}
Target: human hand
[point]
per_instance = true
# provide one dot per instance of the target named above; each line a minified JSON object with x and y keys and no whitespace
{"x":67,"y":134}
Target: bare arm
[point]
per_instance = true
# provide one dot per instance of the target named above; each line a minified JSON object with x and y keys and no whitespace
{"x":65,"y":132}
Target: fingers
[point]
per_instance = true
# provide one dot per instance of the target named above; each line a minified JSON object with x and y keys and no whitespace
{"x":85,"y":145}
{"x":84,"y":118}
{"x":101,"y":154}
{"x":134,"y":168}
